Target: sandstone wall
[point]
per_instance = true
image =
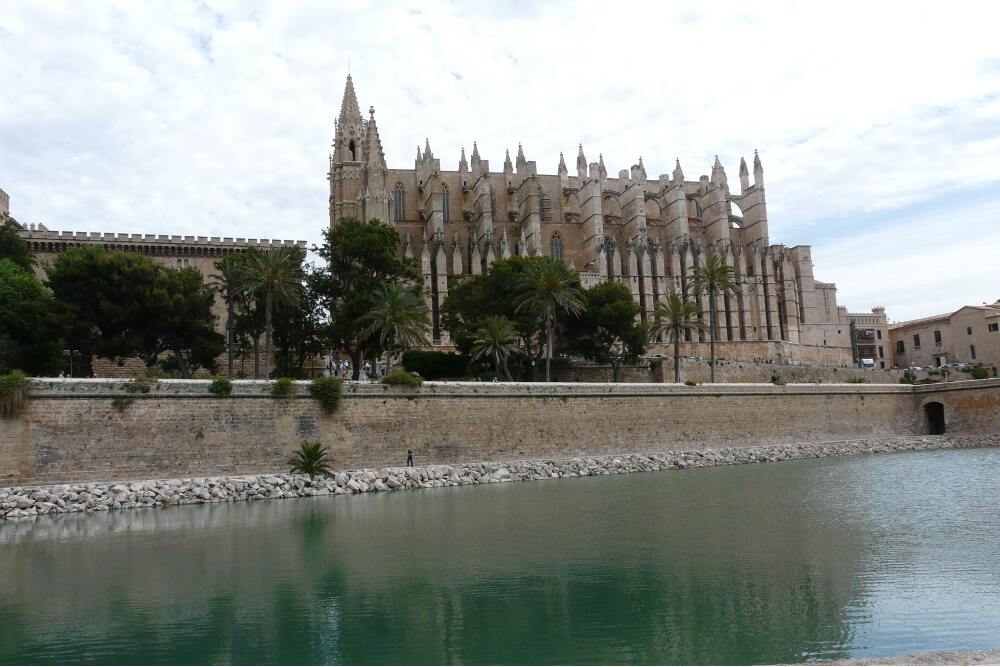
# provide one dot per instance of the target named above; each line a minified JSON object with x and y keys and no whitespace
{"x":726,"y":371}
{"x":71,"y":430}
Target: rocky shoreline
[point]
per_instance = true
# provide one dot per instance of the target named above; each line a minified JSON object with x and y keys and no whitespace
{"x":28,"y":501}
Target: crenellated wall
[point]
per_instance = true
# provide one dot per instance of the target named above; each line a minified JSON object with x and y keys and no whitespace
{"x":72,"y":430}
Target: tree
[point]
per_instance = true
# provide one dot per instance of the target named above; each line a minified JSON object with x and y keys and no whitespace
{"x":606,"y":330}
{"x":397,"y":319}
{"x":230,"y":283}
{"x":274,"y":277}
{"x":549,"y":288}
{"x":676,"y":317}
{"x":717,"y":279}
{"x":358,"y":258}
{"x":297,"y":334}
{"x":28,"y":339}
{"x":13,"y":247}
{"x":496,"y":338}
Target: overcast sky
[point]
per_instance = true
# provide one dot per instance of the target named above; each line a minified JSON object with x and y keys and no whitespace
{"x":878,"y":123}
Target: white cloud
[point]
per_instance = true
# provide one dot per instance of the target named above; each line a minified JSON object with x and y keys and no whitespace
{"x":183,"y":118}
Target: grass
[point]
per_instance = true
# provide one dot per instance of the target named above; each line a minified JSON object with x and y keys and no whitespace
{"x":13,"y":394}
{"x":402,"y":379}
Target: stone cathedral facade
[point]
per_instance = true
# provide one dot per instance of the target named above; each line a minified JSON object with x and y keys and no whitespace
{"x":647,"y":233}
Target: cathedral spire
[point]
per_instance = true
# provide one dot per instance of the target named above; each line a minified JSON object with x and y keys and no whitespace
{"x":475,"y":152}
{"x":758,"y":170}
{"x":507,"y":166}
{"x":463,"y":165}
{"x":718,"y":174}
{"x":581,"y":163}
{"x":744,"y":175}
{"x":642,"y":169}
{"x":428,"y":155}
{"x":349,"y":109}
{"x":600,"y":166}
{"x":678,"y":172}
{"x":373,"y":154}
{"x":520,"y":155}
{"x":563,"y":171}
{"x":420,"y":158}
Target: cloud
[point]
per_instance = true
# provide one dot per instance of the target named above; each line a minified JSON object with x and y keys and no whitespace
{"x":191,"y":119}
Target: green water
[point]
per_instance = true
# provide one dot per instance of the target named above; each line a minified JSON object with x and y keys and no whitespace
{"x":767,"y":563}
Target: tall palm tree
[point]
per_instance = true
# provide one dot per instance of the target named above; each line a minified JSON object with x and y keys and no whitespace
{"x":276,"y":276}
{"x":717,"y":279}
{"x":675,"y":317}
{"x":549,"y":287}
{"x":398,"y":319}
{"x":229,"y":283}
{"x":496,"y":338}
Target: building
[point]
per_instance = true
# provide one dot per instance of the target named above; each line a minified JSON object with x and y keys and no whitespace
{"x":869,"y":337}
{"x":971,"y":334}
{"x":4,"y":207}
{"x":647,"y":233}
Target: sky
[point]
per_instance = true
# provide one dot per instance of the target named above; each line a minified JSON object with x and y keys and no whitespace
{"x":878,"y":123}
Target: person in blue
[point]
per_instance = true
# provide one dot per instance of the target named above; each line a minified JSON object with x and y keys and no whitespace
{"x":409,"y":458}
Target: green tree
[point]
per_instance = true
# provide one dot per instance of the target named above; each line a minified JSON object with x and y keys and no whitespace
{"x":231,"y":284}
{"x":550,"y":288}
{"x":676,"y":317}
{"x":717,"y":279}
{"x":495,"y":339}
{"x":298,"y":332}
{"x":13,"y":247}
{"x":358,"y":259}
{"x":397,"y":319}
{"x":606,"y":330}
{"x":28,"y":339}
{"x":275,"y":277}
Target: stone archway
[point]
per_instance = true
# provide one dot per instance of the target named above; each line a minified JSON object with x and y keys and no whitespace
{"x":934,"y":418}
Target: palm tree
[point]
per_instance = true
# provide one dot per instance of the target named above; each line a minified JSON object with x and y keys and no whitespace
{"x":548,"y":288}
{"x":310,"y":460}
{"x":275,"y":274}
{"x":715,"y":278}
{"x":229,"y":283}
{"x":495,"y":338}
{"x":398,"y":319}
{"x":676,"y":317}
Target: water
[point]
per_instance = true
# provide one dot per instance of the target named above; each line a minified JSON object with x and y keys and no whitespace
{"x":772,"y":563}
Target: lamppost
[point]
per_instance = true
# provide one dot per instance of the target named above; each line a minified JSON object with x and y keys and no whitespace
{"x":617,"y":352}
{"x":70,"y":354}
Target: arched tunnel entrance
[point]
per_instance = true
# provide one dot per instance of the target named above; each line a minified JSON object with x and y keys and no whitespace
{"x":934,"y":418}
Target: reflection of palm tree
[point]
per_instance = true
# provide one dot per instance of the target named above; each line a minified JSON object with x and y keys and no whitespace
{"x":277,"y":275}
{"x":715,"y":278}
{"x":548,"y":288}
{"x":676,"y":317}
{"x":495,"y":338}
{"x":398,"y":318}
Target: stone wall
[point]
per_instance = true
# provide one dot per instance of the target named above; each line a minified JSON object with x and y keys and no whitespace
{"x":726,"y":371}
{"x":71,"y":430}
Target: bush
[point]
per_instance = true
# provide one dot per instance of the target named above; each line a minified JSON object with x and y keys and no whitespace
{"x":137,"y":386}
{"x":776,"y":379}
{"x":327,"y":391}
{"x":402,"y":379}
{"x":909,"y":377}
{"x":856,"y":380}
{"x":220,"y":386}
{"x":284,"y":387}
{"x":691,"y":383}
{"x":435,"y":365}
{"x":490,"y":376}
{"x":13,"y":394}
{"x":979,"y":372}
{"x":310,"y":460}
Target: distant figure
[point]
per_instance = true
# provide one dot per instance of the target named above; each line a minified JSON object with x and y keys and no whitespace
{"x":409,"y":458}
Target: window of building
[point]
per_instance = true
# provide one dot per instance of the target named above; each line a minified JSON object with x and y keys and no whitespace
{"x":445,"y":204}
{"x":937,"y":337}
{"x":556,"y":246}
{"x":544,"y":206}
{"x":881,"y":352}
{"x":972,"y":351}
{"x":350,"y":147}
{"x":993,"y":326}
{"x":399,"y":202}
{"x":968,"y":330}
{"x":916,"y":341}
{"x":878,"y":333}
{"x":900,"y":348}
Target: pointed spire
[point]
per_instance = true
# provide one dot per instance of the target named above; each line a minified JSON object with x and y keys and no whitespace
{"x":373,"y":144}
{"x":581,"y":163}
{"x":678,"y":172}
{"x":419,"y":157}
{"x":600,"y":166}
{"x":428,"y":155}
{"x":520,"y":154}
{"x":563,"y":171}
{"x":642,"y":169}
{"x":475,"y":152}
{"x":758,"y":170}
{"x":507,"y":166}
{"x":349,"y":109}
{"x":719,"y":174}
{"x":463,"y":165}
{"x":744,"y":176}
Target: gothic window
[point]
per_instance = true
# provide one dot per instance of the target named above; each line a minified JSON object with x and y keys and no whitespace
{"x":556,"y":246}
{"x":544,"y":206}
{"x":399,"y":202}
{"x":493,"y":206}
{"x":350,"y":147}
{"x":445,"y":204}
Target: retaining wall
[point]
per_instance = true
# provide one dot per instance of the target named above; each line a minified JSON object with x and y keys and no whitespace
{"x":71,"y":430}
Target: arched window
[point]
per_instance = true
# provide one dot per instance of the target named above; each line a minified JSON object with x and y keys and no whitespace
{"x":399,"y":202}
{"x":350,"y":147}
{"x":556,"y":246}
{"x":445,"y":204}
{"x":179,"y":262}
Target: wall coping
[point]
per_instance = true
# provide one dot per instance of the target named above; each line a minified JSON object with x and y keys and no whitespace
{"x":103,"y":387}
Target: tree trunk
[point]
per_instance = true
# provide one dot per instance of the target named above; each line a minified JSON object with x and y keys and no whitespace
{"x":256,"y":356}
{"x":181,"y":364}
{"x":355,"y":356}
{"x":267,"y":334}
{"x":496,"y":356}
{"x":677,"y":356}
{"x":615,"y":366}
{"x":712,"y":333}
{"x":548,"y":348}
{"x":229,"y":332}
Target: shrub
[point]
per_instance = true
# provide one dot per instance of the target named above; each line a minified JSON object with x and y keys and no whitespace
{"x":490,"y":376}
{"x":435,"y":365}
{"x":284,"y":387}
{"x":122,"y":403}
{"x":13,"y":394}
{"x":691,"y":383}
{"x":402,"y":379}
{"x":220,"y":386}
{"x":137,"y":386}
{"x":327,"y":391}
{"x":856,"y":380}
{"x":980,"y":372}
{"x":776,"y":379}
{"x":909,"y":377}
{"x":310,"y":460}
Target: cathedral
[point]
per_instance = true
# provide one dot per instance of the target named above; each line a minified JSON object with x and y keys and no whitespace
{"x":648,"y":234}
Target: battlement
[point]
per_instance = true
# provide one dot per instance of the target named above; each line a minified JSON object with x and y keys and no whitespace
{"x":40,"y":233}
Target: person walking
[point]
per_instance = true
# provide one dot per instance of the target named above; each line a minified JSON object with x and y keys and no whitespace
{"x":409,"y":458}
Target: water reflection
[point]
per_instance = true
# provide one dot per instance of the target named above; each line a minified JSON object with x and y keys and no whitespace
{"x":749,"y":564}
